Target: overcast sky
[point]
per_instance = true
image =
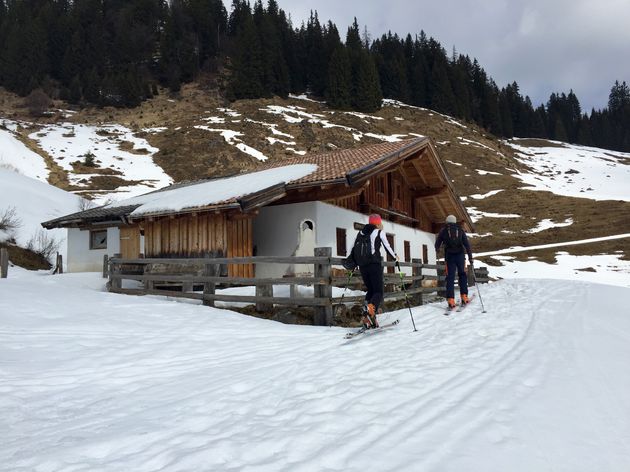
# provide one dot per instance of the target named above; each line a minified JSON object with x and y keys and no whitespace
{"x":544,"y":45}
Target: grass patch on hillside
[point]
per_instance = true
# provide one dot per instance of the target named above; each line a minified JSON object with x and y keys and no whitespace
{"x":26,"y":259}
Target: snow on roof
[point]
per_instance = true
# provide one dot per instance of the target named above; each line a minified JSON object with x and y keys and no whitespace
{"x":214,"y":192}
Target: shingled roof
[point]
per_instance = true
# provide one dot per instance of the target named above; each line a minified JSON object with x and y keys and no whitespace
{"x":338,"y":165}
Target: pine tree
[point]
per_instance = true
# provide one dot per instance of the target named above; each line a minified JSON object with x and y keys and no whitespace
{"x":367,"y":96}
{"x":248,"y":70}
{"x":339,"y":80}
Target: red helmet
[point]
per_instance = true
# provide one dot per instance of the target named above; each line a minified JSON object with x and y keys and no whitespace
{"x":375,"y":219}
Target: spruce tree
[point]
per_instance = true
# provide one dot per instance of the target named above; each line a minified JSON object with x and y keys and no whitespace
{"x":248,"y":70}
{"x":339,"y":80}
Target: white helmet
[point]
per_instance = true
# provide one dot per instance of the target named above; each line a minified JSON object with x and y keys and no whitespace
{"x":451,"y":219}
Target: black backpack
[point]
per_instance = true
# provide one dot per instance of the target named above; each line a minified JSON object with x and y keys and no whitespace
{"x":362,"y":249}
{"x":453,"y":239}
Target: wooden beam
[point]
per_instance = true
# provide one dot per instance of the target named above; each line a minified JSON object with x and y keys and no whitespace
{"x":429,"y":192}
{"x":318,"y":194}
{"x":405,"y":177}
{"x":416,"y":164}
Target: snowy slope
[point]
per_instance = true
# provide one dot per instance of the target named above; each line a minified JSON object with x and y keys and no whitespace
{"x":34,"y":202}
{"x":93,"y":381}
{"x":575,"y":171}
{"x":14,"y":155}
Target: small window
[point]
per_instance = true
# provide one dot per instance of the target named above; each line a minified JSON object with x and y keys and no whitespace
{"x":98,"y":239}
{"x":342,"y":249}
{"x":425,"y":254}
{"x":407,"y":251}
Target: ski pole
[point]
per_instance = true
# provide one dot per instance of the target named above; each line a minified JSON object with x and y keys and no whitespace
{"x":477,"y":285}
{"x":350,"y":274}
{"x":406,"y":297}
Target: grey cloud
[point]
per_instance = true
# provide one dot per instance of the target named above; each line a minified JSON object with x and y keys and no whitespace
{"x":544,"y":45}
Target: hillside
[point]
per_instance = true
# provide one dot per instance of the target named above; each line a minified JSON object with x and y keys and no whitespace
{"x":195,"y":134}
{"x":538,"y":383}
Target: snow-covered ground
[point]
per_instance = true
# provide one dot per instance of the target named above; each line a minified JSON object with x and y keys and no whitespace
{"x":93,"y":381}
{"x":576,"y":171}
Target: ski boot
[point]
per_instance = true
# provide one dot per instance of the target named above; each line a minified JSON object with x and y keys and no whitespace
{"x":451,"y":303}
{"x":464,"y":298}
{"x":369,"y":317}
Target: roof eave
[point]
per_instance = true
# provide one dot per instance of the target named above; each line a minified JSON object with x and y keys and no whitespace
{"x":358,"y":176}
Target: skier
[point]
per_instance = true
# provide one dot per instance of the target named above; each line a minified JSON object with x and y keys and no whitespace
{"x":455,"y":243}
{"x":366,"y":253}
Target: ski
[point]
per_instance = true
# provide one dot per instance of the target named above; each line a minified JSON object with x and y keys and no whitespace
{"x":370,"y":331}
{"x":459,"y":307}
{"x":450,"y":310}
{"x":463,"y":307}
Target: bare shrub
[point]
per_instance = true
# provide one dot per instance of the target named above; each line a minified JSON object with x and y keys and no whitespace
{"x":43,"y":244}
{"x":9,"y":220}
{"x":9,"y":167}
{"x":37,"y":102}
{"x":86,"y":204}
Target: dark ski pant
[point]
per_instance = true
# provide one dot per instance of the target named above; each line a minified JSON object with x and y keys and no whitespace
{"x":456,"y":263}
{"x":372,"y":275}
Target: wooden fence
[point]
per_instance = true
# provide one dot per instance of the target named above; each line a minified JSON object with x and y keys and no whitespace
{"x":4,"y":263}
{"x":204,"y":275}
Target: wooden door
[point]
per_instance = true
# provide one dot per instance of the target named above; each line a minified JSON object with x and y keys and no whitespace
{"x":130,"y":242}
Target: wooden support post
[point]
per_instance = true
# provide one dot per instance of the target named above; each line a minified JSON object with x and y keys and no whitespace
{"x":417,"y":272}
{"x":114,"y":283}
{"x":323,"y":314}
{"x":4,"y":263}
{"x":59,"y":268}
{"x":264,"y":291}
{"x":105,"y":266}
{"x":187,"y":286}
{"x":210,"y":270}
{"x":470,"y":275}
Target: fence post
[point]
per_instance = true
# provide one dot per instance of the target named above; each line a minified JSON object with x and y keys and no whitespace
{"x":59,"y":264}
{"x":470,"y":275}
{"x":417,"y":272}
{"x":264,"y":291}
{"x":105,"y":266}
{"x":323,"y":314}
{"x":4,"y":263}
{"x":441,"y":272}
{"x":114,"y":268}
{"x":209,"y":270}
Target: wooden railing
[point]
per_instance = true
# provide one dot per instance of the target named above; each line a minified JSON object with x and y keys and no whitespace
{"x":204,"y":275}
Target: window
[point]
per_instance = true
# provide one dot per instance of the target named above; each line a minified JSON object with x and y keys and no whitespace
{"x":98,"y":239}
{"x":425,"y":254}
{"x":407,"y":251}
{"x":342,"y":250}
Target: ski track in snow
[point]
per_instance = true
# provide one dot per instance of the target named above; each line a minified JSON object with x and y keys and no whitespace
{"x":147,"y":384}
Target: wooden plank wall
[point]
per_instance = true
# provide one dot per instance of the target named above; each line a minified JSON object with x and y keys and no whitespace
{"x":197,"y":235}
{"x":241,"y":244}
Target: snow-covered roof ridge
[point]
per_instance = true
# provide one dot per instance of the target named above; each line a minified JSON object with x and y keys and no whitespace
{"x":235,"y":191}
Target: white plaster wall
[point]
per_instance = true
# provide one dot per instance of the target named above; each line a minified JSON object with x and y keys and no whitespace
{"x":83,"y":259}
{"x":331,"y":217}
{"x":276,"y":233}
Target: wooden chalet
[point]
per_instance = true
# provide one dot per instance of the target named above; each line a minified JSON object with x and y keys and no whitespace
{"x":403,"y":181}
